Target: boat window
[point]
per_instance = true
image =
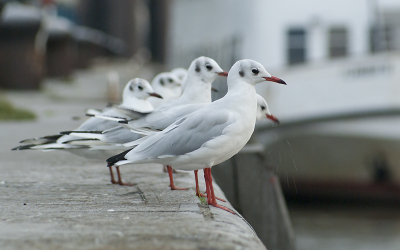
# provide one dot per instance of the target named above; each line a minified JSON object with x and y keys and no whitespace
{"x":296,"y":45}
{"x":382,"y":38}
{"x":338,"y":40}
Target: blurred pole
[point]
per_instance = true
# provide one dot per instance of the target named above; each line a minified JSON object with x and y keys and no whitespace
{"x":113,"y":87}
{"x":158,"y":29}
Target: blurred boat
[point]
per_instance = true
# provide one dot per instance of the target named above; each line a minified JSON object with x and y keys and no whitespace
{"x":340,"y":131}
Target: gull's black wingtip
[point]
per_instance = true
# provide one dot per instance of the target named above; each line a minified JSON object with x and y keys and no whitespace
{"x":125,"y":121}
{"x":81,"y":132}
{"x":116,"y":158}
{"x":66,"y":132}
{"x":24,"y":147}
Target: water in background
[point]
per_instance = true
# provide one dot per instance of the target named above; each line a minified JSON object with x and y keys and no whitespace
{"x":346,"y":226}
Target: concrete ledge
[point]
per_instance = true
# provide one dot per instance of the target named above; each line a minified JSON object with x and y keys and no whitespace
{"x":55,"y":200}
{"x":253,"y":188}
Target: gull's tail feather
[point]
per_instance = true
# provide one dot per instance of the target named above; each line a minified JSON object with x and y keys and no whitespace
{"x":116,"y":158}
{"x":98,"y":135}
{"x":92,"y":112}
{"x":29,"y":146}
{"x":49,"y":146}
{"x":85,"y":142}
{"x":86,"y":135}
{"x":41,"y":140}
{"x":112,"y":118}
{"x":80,"y":132}
{"x":144,"y":131}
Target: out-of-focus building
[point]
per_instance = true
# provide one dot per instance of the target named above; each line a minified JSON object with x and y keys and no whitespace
{"x":341,"y":59}
{"x":279,"y":33}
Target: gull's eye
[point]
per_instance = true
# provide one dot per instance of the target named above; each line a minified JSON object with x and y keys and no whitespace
{"x":162,"y":82}
{"x":170,"y":80}
{"x":208,"y":67}
{"x":262,"y":107}
{"x":255,"y":71}
{"x":140,"y":87}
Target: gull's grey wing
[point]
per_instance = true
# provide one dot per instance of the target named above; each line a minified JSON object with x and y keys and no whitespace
{"x":99,"y":124}
{"x":132,"y":113}
{"x":93,"y":124}
{"x":120,"y":135}
{"x":162,"y":118}
{"x":116,"y":135}
{"x":184,"y":136}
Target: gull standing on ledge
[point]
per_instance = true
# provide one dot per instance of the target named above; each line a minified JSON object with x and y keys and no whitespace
{"x":135,"y":95}
{"x":168,"y":85}
{"x":210,"y":135}
{"x":181,"y":73}
{"x":263,"y":112}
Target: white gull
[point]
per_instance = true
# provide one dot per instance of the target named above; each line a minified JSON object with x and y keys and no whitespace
{"x":210,"y":135}
{"x":135,"y":96}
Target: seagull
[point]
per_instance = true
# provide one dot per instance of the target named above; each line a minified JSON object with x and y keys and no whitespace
{"x":168,"y":85}
{"x":181,"y":73}
{"x":263,"y":112}
{"x":209,"y":136}
{"x":201,"y":73}
{"x":135,"y":95}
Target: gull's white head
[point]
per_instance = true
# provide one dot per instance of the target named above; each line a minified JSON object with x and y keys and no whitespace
{"x":138,"y":88}
{"x":166,"y":80}
{"x":180,"y":73}
{"x":263,"y":110}
{"x":251,"y":72}
{"x":206,"y":69}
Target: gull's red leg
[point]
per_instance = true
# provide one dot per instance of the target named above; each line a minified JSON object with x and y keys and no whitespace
{"x":113,"y":181}
{"x":211,"y":193}
{"x":197,"y":184}
{"x":120,"y":179}
{"x":171,"y":180}
{"x":209,"y":200}
{"x":198,"y":193}
{"x":165,"y":169}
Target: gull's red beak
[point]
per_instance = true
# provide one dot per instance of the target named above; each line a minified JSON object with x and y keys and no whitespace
{"x":275,"y":79}
{"x":273,"y":118}
{"x":155,"y":95}
{"x":223,"y":73}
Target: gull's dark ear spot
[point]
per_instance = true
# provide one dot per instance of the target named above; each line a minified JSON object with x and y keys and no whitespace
{"x":162,"y":82}
{"x":197,"y":69}
{"x":130,"y":87}
{"x":241,"y":73}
